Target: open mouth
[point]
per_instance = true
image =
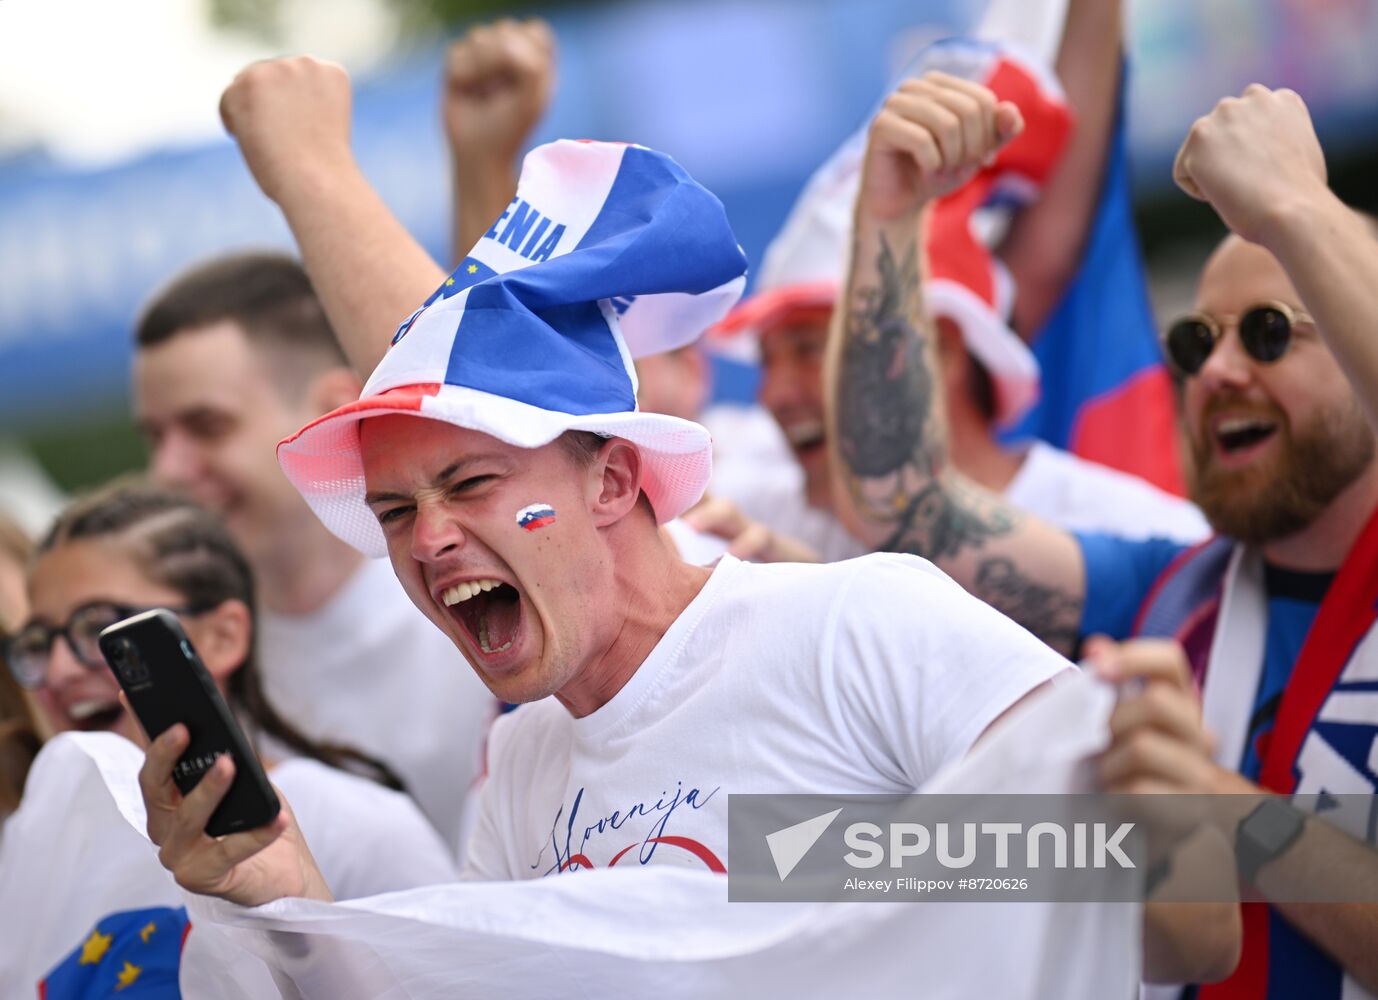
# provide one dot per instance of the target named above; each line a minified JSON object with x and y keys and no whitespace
{"x":490,"y":611}
{"x":95,"y":714}
{"x":805,"y":437}
{"x":1238,"y":434}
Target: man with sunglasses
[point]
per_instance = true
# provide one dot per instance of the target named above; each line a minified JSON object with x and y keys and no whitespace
{"x":1276,"y":371}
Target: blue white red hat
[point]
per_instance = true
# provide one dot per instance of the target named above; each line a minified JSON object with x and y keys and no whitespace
{"x":805,"y":264}
{"x":608,"y":252}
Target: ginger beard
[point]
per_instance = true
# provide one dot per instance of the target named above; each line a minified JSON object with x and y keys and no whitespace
{"x":1287,"y":487}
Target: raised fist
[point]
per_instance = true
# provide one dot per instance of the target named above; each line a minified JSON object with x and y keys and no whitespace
{"x":1252,"y":157}
{"x":930,"y":138}
{"x":498,"y":82}
{"x":291,"y":120}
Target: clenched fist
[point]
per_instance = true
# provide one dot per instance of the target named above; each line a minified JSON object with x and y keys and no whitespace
{"x":930,"y":138}
{"x":1251,"y":158}
{"x":498,"y":82}
{"x":291,"y":120}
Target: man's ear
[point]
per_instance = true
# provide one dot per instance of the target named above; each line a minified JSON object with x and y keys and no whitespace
{"x":332,"y":389}
{"x":223,"y":637}
{"x":616,"y":483}
{"x":700,"y":372}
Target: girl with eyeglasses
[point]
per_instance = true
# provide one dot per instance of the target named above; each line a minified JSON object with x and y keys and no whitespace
{"x":19,"y":739}
{"x":131,"y":547}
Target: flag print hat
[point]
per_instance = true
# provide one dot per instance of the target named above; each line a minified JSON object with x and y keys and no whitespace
{"x":608,"y":252}
{"x":806,"y":263}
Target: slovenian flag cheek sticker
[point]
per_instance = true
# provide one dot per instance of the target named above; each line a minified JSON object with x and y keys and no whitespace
{"x":537,"y":515}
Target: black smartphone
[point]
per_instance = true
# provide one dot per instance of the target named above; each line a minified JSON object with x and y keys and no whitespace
{"x":166,"y":683}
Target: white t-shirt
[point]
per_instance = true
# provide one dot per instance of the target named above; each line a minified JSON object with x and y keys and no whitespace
{"x":1078,"y":495}
{"x":696,"y":547}
{"x":1052,"y":484}
{"x":858,"y":677}
{"x":370,"y":671}
{"x":777,"y":501}
{"x":366,"y":839}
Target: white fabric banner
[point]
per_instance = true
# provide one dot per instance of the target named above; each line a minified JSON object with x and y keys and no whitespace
{"x":668,"y":931}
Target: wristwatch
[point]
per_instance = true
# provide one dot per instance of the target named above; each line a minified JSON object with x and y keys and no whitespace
{"x":1271,"y":828}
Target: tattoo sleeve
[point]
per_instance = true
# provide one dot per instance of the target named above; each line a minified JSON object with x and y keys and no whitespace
{"x":890,"y":424}
{"x":891,"y":450}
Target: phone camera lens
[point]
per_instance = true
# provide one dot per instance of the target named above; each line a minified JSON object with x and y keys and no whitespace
{"x":128,"y":664}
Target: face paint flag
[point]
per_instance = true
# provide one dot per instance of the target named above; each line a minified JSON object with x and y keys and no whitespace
{"x":608,"y":252}
{"x":538,"y":515}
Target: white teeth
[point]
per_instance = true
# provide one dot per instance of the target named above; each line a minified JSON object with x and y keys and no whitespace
{"x":804,"y":433}
{"x":1238,"y":424}
{"x":461,"y":592}
{"x":83,"y":710}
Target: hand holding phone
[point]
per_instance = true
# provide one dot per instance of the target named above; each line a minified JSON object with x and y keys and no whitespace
{"x":269,"y":859}
{"x":165,"y":682}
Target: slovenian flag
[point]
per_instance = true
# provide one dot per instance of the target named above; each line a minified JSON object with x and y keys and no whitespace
{"x":1106,"y":395}
{"x":538,"y":515}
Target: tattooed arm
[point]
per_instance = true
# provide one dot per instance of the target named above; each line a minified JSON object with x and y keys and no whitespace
{"x":892,"y":481}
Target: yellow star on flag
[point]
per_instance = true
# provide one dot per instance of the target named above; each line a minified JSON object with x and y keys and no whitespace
{"x":127,"y":975}
{"x":473,"y":269}
{"x":93,"y":949}
{"x":449,"y":281}
{"x":146,"y":931}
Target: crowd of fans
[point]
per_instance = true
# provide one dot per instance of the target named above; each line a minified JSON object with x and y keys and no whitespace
{"x":837,"y":591}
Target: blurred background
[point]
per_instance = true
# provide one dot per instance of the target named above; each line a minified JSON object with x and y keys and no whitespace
{"x":115,"y":173}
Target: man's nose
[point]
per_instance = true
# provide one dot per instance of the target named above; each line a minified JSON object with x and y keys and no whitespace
{"x":173,"y":461}
{"x":435,"y":533}
{"x":1228,"y":365}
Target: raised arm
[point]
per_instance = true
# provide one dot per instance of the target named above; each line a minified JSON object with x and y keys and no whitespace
{"x":499,"y":79}
{"x":1257,"y":161}
{"x":291,"y":120}
{"x":1044,"y":246}
{"x":892,"y":481}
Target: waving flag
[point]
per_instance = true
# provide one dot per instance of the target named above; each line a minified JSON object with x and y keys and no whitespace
{"x":671,"y":932}
{"x":134,"y":955}
{"x":1106,"y":395}
{"x":86,"y":911}
{"x":805,"y":264}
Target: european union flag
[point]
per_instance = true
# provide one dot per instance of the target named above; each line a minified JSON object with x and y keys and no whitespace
{"x":132,"y":955}
{"x":470,"y":272}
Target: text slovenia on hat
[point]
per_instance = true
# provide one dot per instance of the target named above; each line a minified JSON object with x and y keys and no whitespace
{"x":608,"y":252}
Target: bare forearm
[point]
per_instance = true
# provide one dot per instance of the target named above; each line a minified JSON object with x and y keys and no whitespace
{"x":369,"y":272}
{"x":893,"y":484}
{"x":1324,"y":863}
{"x":887,"y":424}
{"x":480,"y":192}
{"x":1331,"y":255}
{"x":1327,"y":862}
{"x":1045,"y":244}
